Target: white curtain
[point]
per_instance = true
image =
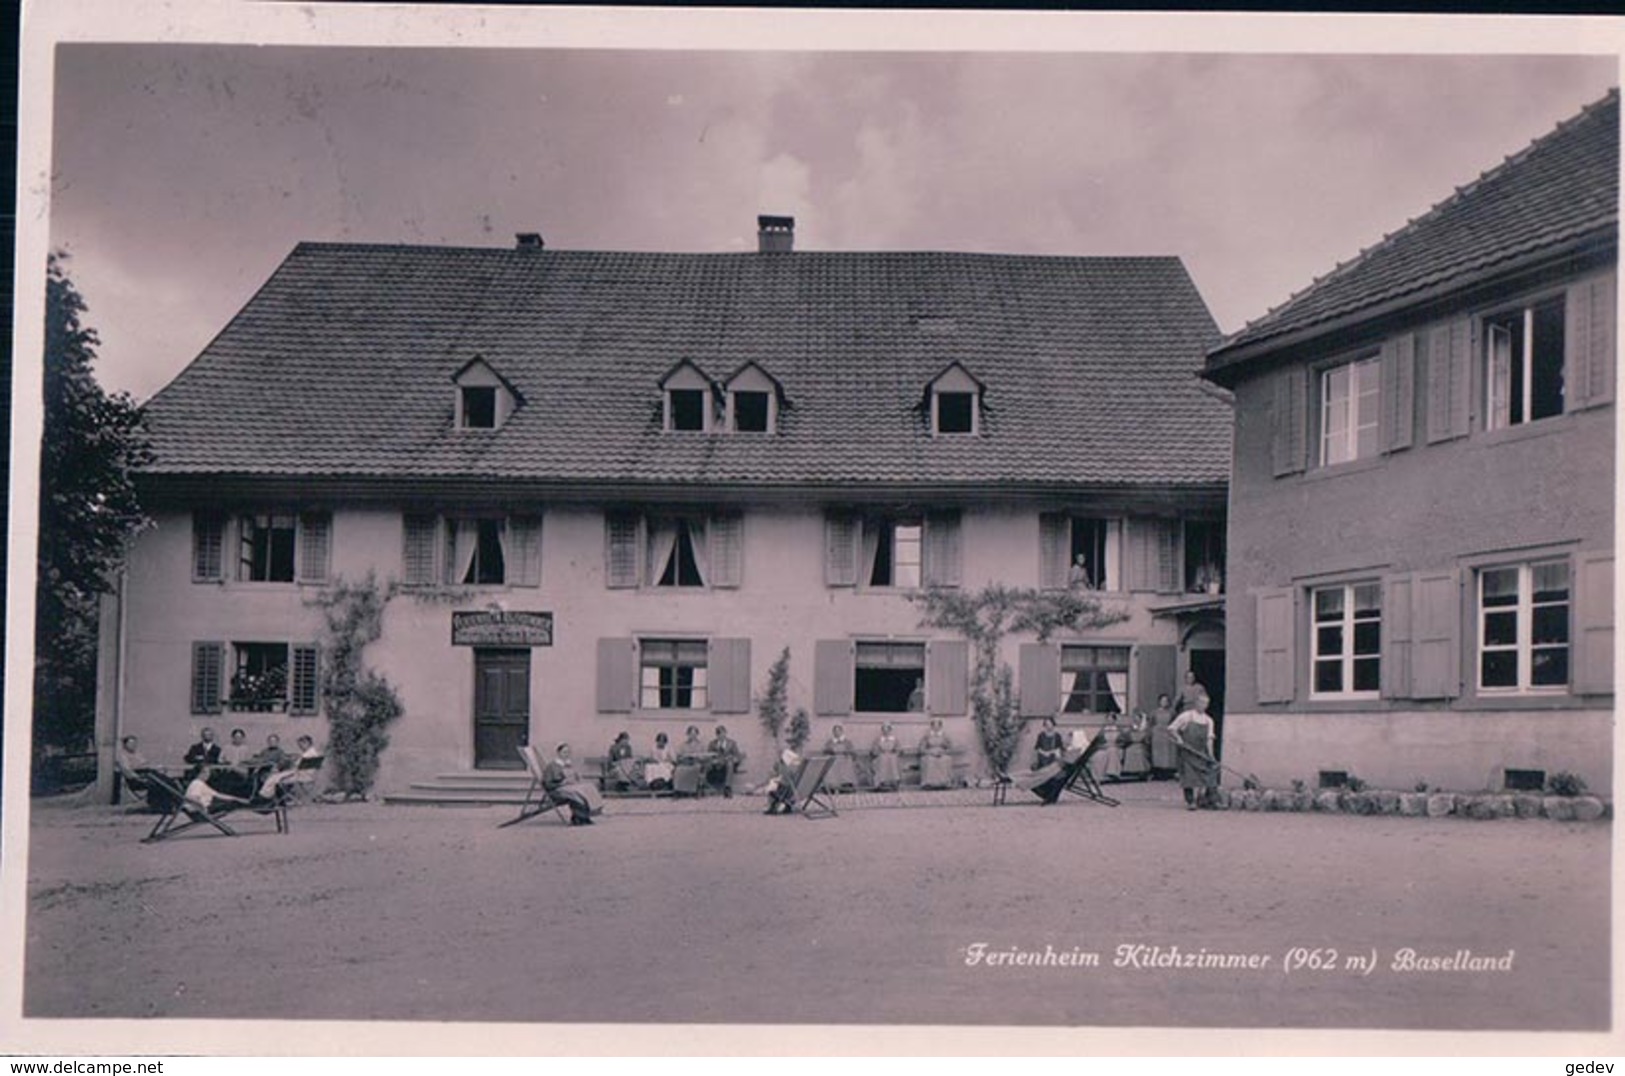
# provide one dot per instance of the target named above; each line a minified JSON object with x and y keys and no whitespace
{"x":662,"y":541}
{"x":872,"y":531}
{"x":1500,"y":376}
{"x":510,"y":567}
{"x":697,"y":539}
{"x":1118,"y":682}
{"x":465,"y":540}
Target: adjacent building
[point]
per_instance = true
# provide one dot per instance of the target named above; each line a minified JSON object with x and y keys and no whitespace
{"x":1422,"y":503}
{"x":605,"y":491}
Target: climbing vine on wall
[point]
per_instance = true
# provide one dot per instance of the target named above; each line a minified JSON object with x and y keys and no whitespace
{"x":984,"y":618}
{"x":359,"y":703}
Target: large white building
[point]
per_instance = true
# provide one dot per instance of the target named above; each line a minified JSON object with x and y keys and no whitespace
{"x":606,"y":490}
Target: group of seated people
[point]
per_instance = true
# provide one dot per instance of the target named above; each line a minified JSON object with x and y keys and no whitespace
{"x":693,"y":766}
{"x":884,"y":760}
{"x":231,"y":772}
{"x":1125,"y":752}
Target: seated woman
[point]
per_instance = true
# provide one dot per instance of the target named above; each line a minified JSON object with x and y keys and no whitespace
{"x":1047,"y":748}
{"x":1108,"y":761}
{"x":843,"y":772}
{"x":885,"y":758}
{"x":659,"y":767}
{"x":622,"y":767}
{"x":690,"y":769}
{"x":936,"y":764}
{"x":560,"y":781}
{"x":130,"y":762}
{"x":781,"y":787}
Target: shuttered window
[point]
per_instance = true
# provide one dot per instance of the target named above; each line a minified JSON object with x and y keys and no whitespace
{"x":1589,"y":380}
{"x":1449,"y":369}
{"x":1153,"y":555}
{"x":1523,"y":627}
{"x":841,"y":533}
{"x":621,"y":546}
{"x":943,"y":556}
{"x":315,"y":546}
{"x":1345,"y":641}
{"x":727,"y":538}
{"x":730,"y":676}
{"x":208,"y":665}
{"x":525,"y":544}
{"x":673,"y":674}
{"x":1398,"y":393}
{"x":1275,"y":617}
{"x":832,"y":677}
{"x":303,"y":691}
{"x":1288,"y":421}
{"x":208,"y":548}
{"x":1040,"y":679}
{"x":1350,"y":411}
{"x":948,"y":675}
{"x":420,"y":566}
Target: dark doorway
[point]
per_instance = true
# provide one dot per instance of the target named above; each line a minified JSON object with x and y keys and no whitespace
{"x":501,"y":708}
{"x":1208,"y":665}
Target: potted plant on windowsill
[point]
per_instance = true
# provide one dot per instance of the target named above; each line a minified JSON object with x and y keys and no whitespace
{"x":259,"y":693}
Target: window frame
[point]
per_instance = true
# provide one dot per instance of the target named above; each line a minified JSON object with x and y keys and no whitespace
{"x":466,"y":413}
{"x":241,"y":532}
{"x":1347,"y":656}
{"x":448,"y":543}
{"x":1524,"y":646}
{"x":1095,"y":667}
{"x":705,"y":402}
{"x":973,"y":398}
{"x":1111,"y":551}
{"x":769,"y":411}
{"x":677,"y":645}
{"x":1524,"y":311}
{"x":858,"y":647}
{"x":300,"y":674}
{"x":1371,"y":362}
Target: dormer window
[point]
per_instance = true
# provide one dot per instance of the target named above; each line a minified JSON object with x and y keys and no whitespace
{"x":753,"y":397}
{"x":484,"y":399}
{"x":479,"y":407}
{"x":956,"y":399}
{"x":956,"y":412}
{"x":687,"y":407}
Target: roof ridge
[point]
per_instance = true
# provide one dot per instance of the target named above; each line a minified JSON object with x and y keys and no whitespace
{"x":457,"y":248}
{"x":1459,"y":194}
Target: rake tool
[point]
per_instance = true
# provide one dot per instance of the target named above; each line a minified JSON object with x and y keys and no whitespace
{"x":1248,"y":780}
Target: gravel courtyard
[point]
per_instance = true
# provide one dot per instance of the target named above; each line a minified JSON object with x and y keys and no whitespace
{"x":709,"y":912}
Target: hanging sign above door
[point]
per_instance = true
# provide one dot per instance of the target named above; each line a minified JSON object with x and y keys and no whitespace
{"x":501,"y":627}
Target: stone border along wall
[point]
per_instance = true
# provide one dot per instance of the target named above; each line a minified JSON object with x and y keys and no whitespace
{"x":1418,"y":804}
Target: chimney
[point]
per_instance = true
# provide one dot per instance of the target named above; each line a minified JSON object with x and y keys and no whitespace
{"x":775,"y":235}
{"x":528,"y":241}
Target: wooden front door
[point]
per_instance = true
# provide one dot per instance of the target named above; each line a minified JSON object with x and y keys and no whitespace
{"x":501,"y":708}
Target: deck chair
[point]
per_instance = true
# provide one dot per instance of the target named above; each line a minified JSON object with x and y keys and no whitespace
{"x":809,"y":798}
{"x":1050,"y":782}
{"x":168,"y":797}
{"x":538,"y":800}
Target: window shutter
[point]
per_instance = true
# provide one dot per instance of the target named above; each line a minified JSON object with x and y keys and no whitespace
{"x":1053,"y":543}
{"x":418,"y":564}
{"x":943,"y":558}
{"x":208,"y":665}
{"x":729,"y":676}
{"x":1039,"y":665}
{"x":525,"y":541}
{"x":1166,"y":537}
{"x":841,"y":550}
{"x":1287,"y":421}
{"x":1594,"y":625}
{"x":617,"y":675}
{"x":727,"y":538}
{"x":1396,"y":637}
{"x":304,"y":691}
{"x":1155,"y":671}
{"x":947,"y":675}
{"x":832,"y":677}
{"x":1141,"y":557}
{"x":621,"y":567}
{"x":1435,"y":635}
{"x":1588,"y":338}
{"x":1449,"y":380}
{"x":1276,"y":626}
{"x":315,"y":531}
{"x":208,"y":548}
{"x":1398,"y":392}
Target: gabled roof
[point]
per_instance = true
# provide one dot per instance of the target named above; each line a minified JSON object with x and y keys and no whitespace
{"x":479,"y":360}
{"x":337,"y":367}
{"x":1559,"y":192}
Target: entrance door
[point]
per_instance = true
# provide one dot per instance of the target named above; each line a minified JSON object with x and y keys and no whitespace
{"x":501,"y":708}
{"x":1208,"y":665}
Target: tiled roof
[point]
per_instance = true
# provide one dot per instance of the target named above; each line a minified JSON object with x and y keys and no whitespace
{"x":1559,"y":190}
{"x":341,"y":366}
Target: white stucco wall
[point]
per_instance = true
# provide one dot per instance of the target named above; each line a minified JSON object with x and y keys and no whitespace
{"x":783,"y":601}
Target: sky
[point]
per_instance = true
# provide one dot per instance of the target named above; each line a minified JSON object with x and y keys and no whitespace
{"x":182,"y":174}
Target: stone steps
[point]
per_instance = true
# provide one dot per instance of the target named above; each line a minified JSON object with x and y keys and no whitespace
{"x":470,"y":788}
